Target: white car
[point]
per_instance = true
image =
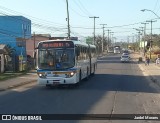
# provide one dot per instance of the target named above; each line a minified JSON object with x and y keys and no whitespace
{"x":125,"y":54}
{"x":125,"y":58}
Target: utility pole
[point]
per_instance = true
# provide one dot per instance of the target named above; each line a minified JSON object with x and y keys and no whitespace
{"x":103,"y":35}
{"x":108,"y":40}
{"x":94,"y":17}
{"x":111,"y":36}
{"x":68,"y":20}
{"x":144,"y":49}
{"x":24,"y":55}
{"x":128,"y":41}
{"x":114,"y":43}
{"x":150,"y":44}
{"x":34,"y":40}
{"x":139,"y":33}
{"x":142,"y":29}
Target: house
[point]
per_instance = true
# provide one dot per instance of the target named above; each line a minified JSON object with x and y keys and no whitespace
{"x":31,"y":43}
{"x":14,"y":30}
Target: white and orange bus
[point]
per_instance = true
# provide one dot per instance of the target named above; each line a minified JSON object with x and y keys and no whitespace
{"x":64,"y":62}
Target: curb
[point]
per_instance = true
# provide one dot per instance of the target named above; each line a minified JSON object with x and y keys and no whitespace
{"x":154,"y":80}
{"x":17,"y":85}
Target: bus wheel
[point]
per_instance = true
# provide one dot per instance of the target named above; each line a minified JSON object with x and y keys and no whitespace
{"x":80,"y":76}
{"x":87,"y":77}
{"x":72,"y":86}
{"x":94,"y":70}
{"x":48,"y":86}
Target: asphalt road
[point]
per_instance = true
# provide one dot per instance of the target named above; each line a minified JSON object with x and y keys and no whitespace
{"x":116,"y":88}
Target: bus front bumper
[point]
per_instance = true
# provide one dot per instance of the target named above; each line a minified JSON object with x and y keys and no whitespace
{"x":56,"y":81}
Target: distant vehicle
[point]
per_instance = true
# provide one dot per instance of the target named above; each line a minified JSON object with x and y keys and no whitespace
{"x":123,"y":49}
{"x":125,"y":58}
{"x":125,"y":54}
{"x":111,"y":49}
{"x":117,"y":49}
{"x":126,"y":51}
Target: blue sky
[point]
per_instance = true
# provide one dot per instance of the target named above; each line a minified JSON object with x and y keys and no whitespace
{"x":51,"y":15}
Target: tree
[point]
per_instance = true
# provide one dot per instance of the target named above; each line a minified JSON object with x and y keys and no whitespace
{"x":155,"y":42}
{"x":10,"y":50}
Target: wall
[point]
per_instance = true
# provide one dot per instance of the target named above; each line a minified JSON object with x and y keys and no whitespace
{"x":30,"y":43}
{"x":11,"y":29}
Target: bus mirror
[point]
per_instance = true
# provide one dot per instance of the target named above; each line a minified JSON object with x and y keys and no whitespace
{"x":77,"y":51}
{"x":35,"y":54}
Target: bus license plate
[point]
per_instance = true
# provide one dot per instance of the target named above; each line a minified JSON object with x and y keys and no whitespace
{"x":56,"y":83}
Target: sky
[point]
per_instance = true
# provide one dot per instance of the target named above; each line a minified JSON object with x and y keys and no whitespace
{"x":121,"y":16}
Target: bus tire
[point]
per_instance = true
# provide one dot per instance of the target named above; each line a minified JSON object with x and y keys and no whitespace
{"x":80,"y":76}
{"x":94,"y":68}
{"x":48,"y":85}
{"x":87,"y":77}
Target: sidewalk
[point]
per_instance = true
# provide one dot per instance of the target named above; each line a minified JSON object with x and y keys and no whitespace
{"x":18,"y":81}
{"x":151,"y":70}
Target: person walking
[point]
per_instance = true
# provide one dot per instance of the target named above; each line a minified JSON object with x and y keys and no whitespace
{"x":157,"y":61}
{"x":147,"y":60}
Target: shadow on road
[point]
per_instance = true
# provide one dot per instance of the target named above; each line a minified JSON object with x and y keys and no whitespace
{"x":126,"y":83}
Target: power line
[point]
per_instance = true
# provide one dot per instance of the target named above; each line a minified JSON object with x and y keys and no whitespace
{"x":156,"y":4}
{"x":79,"y":6}
{"x":84,"y":8}
{"x":33,"y":18}
{"x":47,"y":25}
{"x":14,"y":18}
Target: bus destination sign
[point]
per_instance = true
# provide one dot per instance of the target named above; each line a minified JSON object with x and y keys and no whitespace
{"x":57,"y":44}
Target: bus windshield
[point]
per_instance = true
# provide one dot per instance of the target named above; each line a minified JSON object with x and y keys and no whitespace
{"x":56,"y":59}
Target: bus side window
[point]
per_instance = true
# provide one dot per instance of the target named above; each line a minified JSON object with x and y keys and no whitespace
{"x":81,"y":53}
{"x":92,"y":53}
{"x":77,"y":51}
{"x":87,"y":52}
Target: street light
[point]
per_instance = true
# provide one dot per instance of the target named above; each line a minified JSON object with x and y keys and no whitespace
{"x":151,"y":21}
{"x":143,"y":10}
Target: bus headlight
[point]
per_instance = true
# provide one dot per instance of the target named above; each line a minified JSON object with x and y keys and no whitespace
{"x":70,"y":74}
{"x":42,"y":74}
